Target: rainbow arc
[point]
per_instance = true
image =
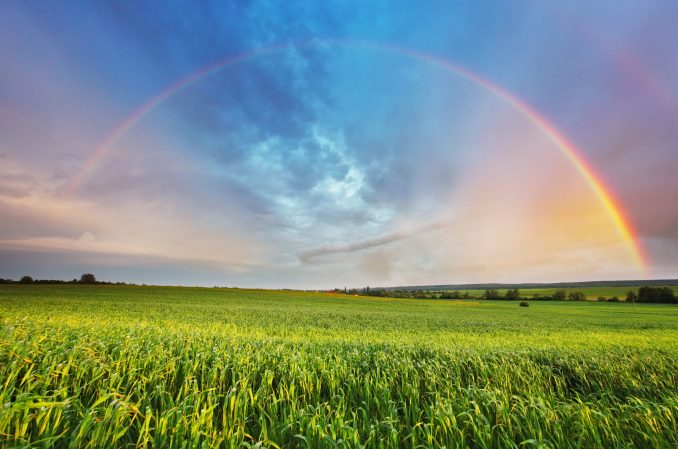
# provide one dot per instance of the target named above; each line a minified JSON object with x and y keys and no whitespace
{"x":612,"y":206}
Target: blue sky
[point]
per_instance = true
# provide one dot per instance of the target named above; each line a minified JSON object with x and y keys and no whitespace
{"x":329,"y":161}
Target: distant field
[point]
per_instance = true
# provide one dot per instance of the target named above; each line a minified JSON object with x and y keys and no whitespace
{"x":590,"y":292}
{"x":109,"y":366}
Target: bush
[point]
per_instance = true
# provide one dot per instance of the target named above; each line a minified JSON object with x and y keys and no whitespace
{"x":613,"y":299}
{"x":602,"y":299}
{"x":524,"y":304}
{"x":26,"y":280}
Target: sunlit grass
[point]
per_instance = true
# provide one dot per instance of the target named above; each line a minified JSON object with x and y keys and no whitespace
{"x":110,"y":366}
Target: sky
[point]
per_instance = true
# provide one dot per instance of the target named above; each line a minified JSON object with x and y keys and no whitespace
{"x":328,"y":144}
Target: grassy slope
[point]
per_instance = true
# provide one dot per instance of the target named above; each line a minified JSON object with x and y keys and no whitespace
{"x":288,"y":368}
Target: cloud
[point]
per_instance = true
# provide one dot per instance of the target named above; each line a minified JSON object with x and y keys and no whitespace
{"x":105,"y":249}
{"x":378,"y":265}
{"x":386,"y":239}
{"x":158,"y":228}
{"x":317,"y":162}
{"x":87,"y":242}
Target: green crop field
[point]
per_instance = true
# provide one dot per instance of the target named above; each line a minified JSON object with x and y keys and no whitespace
{"x":109,"y":366}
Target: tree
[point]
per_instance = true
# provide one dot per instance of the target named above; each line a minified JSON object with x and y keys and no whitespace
{"x":656,"y":294}
{"x":559,"y":295}
{"x":512,"y":294}
{"x":88,"y":278}
{"x":576,"y":296}
{"x":450,"y":295}
{"x":667,"y":296}
{"x":26,"y":280}
{"x":491,"y":294}
{"x":631,"y":296}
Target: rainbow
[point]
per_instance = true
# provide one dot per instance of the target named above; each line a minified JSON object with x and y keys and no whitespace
{"x":611,"y":205}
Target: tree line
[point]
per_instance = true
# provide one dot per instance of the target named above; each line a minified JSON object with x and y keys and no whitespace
{"x":647,"y":294}
{"x":86,"y":278}
{"x":662,"y":295}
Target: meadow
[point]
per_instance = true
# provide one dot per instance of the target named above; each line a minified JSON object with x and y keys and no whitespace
{"x":162,"y":367}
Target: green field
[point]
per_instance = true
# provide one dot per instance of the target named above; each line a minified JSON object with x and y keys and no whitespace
{"x":108,"y":366}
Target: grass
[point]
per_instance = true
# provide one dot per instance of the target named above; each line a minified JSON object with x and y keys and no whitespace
{"x":108,"y":366}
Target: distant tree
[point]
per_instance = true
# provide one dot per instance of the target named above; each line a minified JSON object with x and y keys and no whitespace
{"x":656,"y":294}
{"x":559,"y":295}
{"x":631,"y":296}
{"x":512,"y":294}
{"x":375,"y":292}
{"x":491,"y":294}
{"x":88,"y":278}
{"x":602,"y":298}
{"x":576,"y":296}
{"x":613,"y":299}
{"x":26,"y":280}
{"x":450,"y":295}
{"x":667,"y":296}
